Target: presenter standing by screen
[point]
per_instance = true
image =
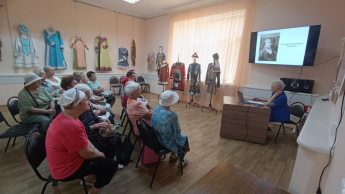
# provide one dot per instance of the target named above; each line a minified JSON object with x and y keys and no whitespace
{"x":267,"y":53}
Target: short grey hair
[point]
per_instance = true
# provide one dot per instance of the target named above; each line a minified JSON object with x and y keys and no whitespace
{"x":278,"y":85}
{"x":47,"y":69}
{"x":38,"y":71}
{"x":83,"y":87}
{"x":130,"y":88}
{"x":78,"y":76}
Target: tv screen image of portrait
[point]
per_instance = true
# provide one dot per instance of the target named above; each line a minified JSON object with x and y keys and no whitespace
{"x":290,"y":46}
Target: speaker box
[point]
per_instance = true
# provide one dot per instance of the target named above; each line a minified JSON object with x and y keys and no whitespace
{"x":298,"y":85}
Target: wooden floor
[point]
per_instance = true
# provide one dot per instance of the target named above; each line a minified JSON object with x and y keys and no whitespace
{"x":271,"y":162}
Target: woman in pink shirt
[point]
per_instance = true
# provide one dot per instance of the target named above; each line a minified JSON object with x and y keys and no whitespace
{"x":135,"y":108}
{"x":70,"y":154}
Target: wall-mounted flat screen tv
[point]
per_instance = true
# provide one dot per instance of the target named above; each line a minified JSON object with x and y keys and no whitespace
{"x":289,"y":46}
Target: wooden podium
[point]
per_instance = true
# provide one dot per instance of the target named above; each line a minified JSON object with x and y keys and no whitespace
{"x":246,"y":122}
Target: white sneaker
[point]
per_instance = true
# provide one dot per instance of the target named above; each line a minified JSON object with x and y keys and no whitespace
{"x":120,"y":166}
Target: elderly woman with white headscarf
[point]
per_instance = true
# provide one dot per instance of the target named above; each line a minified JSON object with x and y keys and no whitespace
{"x":280,"y":111}
{"x":70,"y":154}
{"x":135,"y":108}
{"x":165,"y":122}
{"x":93,"y":124}
{"x":35,"y":103}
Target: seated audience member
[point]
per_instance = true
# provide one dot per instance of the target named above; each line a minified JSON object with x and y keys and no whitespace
{"x":130,"y":76}
{"x":35,"y":103}
{"x":93,"y":124}
{"x":68,"y":82}
{"x":55,"y":81}
{"x":280,"y":111}
{"x":80,"y":77}
{"x":99,"y":111}
{"x":70,"y":154}
{"x":136,"y":109}
{"x":55,"y":93}
{"x":97,"y":89}
{"x":165,"y":122}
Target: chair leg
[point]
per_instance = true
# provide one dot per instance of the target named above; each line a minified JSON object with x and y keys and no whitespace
{"x":154,"y":174}
{"x":135,"y":142}
{"x":123,"y":110}
{"x":84,"y":185}
{"x":142,"y":149}
{"x":44,"y":187}
{"x":278,"y":133}
{"x":123,"y":120}
{"x":8,"y":142}
{"x":283,"y":128}
{"x":55,"y":183}
{"x":181,"y":159}
{"x":14,"y":141}
{"x":149,"y":88}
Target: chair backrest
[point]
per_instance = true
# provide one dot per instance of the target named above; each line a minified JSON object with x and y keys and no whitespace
{"x":130,"y":123}
{"x":149,"y":136}
{"x":140,"y":79}
{"x":122,"y":78}
{"x":297,"y":110}
{"x":2,"y":118}
{"x":114,"y":80}
{"x":13,"y":107}
{"x":35,"y":151}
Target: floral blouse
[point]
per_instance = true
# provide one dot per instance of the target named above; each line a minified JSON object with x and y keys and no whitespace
{"x":165,"y":122}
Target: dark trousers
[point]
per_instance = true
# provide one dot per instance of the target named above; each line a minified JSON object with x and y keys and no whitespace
{"x":103,"y":168}
{"x":109,"y":99}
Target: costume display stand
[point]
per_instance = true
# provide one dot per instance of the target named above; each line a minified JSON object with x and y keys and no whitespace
{"x":163,"y":89}
{"x":209,"y":106}
{"x":191,"y":102}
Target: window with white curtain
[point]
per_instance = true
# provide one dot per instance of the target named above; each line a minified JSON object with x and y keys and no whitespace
{"x":208,"y":34}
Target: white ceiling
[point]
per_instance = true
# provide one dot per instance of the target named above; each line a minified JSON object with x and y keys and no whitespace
{"x":150,"y":8}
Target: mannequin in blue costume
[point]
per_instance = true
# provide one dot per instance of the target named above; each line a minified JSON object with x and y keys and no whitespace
{"x":53,"y":52}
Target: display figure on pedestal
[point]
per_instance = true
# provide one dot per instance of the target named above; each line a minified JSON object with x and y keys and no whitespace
{"x":163,"y":73}
{"x":54,"y":49}
{"x":213,"y":78}
{"x":213,"y":74}
{"x":178,"y":76}
{"x":194,"y":71}
{"x":160,"y":58}
{"x":25,"y":51}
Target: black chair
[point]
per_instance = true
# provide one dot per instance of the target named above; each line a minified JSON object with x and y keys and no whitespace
{"x":114,"y":83}
{"x":35,"y":151}
{"x":150,"y":139}
{"x":130,"y":128}
{"x":141,"y":81}
{"x":13,"y":107}
{"x":297,"y":110}
{"x":16,"y":130}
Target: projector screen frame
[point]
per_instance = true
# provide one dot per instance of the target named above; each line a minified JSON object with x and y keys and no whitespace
{"x":310,"y":51}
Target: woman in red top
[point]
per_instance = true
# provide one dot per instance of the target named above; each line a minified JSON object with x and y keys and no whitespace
{"x":70,"y":154}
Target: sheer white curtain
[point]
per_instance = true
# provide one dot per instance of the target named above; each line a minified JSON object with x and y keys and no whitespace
{"x":217,"y":29}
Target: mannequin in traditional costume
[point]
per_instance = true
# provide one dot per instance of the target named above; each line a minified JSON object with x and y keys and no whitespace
{"x":159,"y":59}
{"x":213,"y":75}
{"x":194,"y":71}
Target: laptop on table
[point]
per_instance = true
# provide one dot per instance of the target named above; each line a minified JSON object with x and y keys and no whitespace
{"x":241,"y":98}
